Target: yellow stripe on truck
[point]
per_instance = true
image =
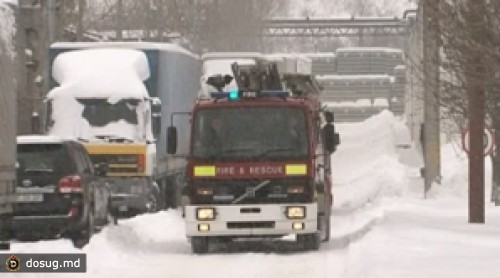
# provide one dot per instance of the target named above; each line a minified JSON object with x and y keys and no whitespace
{"x":204,"y":171}
{"x":296,"y":169}
{"x":115,"y":148}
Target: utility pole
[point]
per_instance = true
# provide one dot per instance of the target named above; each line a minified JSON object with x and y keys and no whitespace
{"x":32,"y":39}
{"x":119,"y":22}
{"x":475,"y":77}
{"x":79,"y":25}
{"x":51,"y":24}
{"x":431,"y":139}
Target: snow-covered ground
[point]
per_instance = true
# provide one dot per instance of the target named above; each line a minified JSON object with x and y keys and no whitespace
{"x":381,"y":226}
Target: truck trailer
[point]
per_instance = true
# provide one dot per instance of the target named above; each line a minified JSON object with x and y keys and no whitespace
{"x":116,"y":97}
{"x":259,"y":160}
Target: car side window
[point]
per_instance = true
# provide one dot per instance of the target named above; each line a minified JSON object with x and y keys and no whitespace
{"x":79,"y":159}
{"x":87,"y":167}
{"x":87,"y":160}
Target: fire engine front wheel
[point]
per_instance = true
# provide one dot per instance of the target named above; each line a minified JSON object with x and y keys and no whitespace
{"x":199,"y":245}
{"x":309,"y":241}
{"x":325,"y":227}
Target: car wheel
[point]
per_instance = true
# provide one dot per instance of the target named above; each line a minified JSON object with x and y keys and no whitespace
{"x":325,"y":228}
{"x":82,"y":238}
{"x":112,"y":216}
{"x":199,"y":245}
{"x":152,"y":203}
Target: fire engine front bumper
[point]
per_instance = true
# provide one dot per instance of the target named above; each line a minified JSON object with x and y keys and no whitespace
{"x":251,"y":220}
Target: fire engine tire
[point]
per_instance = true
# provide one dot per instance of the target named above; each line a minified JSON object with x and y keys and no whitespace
{"x":325,"y":229}
{"x":171,"y":200}
{"x":199,"y":245}
{"x":309,"y":241}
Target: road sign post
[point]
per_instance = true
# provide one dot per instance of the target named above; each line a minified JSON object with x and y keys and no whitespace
{"x":488,"y":141}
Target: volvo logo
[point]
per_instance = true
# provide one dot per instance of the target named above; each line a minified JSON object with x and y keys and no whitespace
{"x":250,"y":192}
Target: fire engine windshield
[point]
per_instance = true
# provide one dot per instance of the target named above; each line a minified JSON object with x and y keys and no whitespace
{"x":250,"y":134}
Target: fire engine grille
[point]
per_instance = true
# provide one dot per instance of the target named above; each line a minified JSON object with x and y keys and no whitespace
{"x":226,"y":191}
{"x":251,"y":225}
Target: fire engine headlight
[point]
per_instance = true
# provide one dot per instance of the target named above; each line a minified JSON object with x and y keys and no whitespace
{"x":295,"y":212}
{"x":205,"y":191}
{"x":205,"y":213}
{"x":295,"y":189}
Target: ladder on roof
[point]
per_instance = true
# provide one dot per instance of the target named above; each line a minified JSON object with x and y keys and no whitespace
{"x":264,"y":76}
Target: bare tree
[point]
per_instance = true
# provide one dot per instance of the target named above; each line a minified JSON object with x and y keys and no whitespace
{"x":470,"y":61}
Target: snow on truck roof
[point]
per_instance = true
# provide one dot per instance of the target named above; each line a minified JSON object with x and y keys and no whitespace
{"x":232,"y":55}
{"x":282,"y":56}
{"x":111,"y":73}
{"x":39,"y":139}
{"x":320,"y":55}
{"x":169,"y":47}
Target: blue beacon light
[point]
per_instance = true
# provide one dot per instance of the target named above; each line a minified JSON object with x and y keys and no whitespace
{"x":234,"y":94}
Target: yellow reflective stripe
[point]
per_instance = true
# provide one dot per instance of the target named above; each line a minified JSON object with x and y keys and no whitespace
{"x":296,"y":169}
{"x":204,"y":171}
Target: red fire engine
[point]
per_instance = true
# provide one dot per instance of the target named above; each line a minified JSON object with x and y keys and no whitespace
{"x":259,"y":161}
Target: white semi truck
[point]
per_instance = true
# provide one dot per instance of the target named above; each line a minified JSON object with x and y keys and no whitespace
{"x":118,"y":98}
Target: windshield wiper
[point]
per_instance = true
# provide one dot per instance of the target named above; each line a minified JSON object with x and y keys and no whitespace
{"x":114,"y":138}
{"x":238,"y":150}
{"x":251,"y":191}
{"x":271,"y":151}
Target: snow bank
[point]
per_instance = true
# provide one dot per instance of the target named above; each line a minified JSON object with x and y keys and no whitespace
{"x":367,"y":161}
{"x":455,"y":173}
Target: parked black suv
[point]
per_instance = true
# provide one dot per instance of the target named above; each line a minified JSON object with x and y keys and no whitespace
{"x":58,"y":192}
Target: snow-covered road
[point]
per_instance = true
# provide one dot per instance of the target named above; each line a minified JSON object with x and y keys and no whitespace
{"x":381,"y":227}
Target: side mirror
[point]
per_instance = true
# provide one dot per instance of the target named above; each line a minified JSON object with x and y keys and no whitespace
{"x":329,"y":116}
{"x":35,"y":124}
{"x":171,"y":140}
{"x":331,"y":138}
{"x":156,"y":116}
{"x":102,"y":169}
{"x":156,"y":125}
{"x":320,"y":187}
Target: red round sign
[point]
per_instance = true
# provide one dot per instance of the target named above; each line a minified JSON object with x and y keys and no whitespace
{"x":489,"y":141}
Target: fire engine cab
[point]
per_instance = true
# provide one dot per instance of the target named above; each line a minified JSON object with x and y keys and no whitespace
{"x":259,"y":161}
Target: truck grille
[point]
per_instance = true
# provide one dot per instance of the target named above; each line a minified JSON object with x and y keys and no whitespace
{"x":251,"y":225}
{"x":123,"y":163}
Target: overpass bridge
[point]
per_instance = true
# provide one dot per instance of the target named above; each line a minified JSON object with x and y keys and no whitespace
{"x":336,"y":27}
